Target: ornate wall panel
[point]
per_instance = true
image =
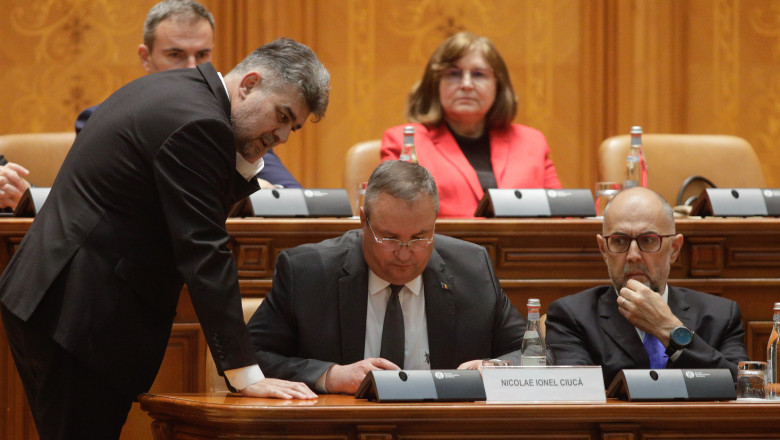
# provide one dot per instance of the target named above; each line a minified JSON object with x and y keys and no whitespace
{"x":61,"y":56}
{"x":644,"y":58}
{"x":734,"y":74}
{"x":584,"y":70}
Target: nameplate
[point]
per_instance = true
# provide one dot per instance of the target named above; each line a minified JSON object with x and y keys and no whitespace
{"x":296,"y":202}
{"x":673,"y":384}
{"x":552,"y":384}
{"x":536,"y":203}
{"x":421,"y":386}
{"x":735,"y":202}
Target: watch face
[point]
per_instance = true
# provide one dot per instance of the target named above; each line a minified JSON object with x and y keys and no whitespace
{"x":681,"y":336}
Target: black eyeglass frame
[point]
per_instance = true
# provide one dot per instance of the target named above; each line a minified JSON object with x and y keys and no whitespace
{"x":638,"y":242}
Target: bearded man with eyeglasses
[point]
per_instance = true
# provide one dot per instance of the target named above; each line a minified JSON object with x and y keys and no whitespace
{"x":640,"y":321}
{"x":326,"y":320}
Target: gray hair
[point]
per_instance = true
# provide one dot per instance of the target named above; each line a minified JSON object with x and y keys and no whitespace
{"x":180,"y":9}
{"x":291,"y":63}
{"x":402,"y":180}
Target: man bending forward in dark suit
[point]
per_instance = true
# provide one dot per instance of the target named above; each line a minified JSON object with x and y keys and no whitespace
{"x":324,"y":322}
{"x":138,"y":209}
{"x":640,"y":321}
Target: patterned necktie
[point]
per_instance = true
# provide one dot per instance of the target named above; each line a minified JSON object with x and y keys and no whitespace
{"x":656,"y":351}
{"x":393,"y":329}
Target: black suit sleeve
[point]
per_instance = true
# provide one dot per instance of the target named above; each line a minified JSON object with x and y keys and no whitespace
{"x":509,"y":325}
{"x":274,"y":332}
{"x":194,"y":173}
{"x":565,"y":337}
{"x":725,"y":349}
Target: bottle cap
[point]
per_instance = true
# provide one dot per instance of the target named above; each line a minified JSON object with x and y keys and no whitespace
{"x":534,"y":302}
{"x":409,"y":129}
{"x":777,"y":306}
{"x":636,"y":136}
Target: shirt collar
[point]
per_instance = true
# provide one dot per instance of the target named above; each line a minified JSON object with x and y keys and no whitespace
{"x":224,"y":86}
{"x":376,"y":284}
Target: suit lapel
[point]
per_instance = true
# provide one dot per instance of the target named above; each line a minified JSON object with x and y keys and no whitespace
{"x":680,"y":307}
{"x":440,"y":311}
{"x":448,"y":148}
{"x":353,"y":302}
{"x":215,"y":84}
{"x":617,"y":328}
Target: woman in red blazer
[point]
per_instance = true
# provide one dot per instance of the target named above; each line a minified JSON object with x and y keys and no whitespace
{"x":462,"y":111}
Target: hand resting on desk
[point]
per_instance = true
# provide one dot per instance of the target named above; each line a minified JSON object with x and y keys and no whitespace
{"x":280,"y":389}
{"x":347,"y":378}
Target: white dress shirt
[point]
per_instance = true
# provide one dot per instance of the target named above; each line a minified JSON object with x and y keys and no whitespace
{"x":416,"y":354}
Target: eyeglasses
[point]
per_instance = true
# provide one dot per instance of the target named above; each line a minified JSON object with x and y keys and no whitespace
{"x":453,"y":75}
{"x":646,"y":242}
{"x":393,"y":244}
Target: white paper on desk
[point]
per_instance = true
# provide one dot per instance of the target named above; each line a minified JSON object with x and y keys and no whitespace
{"x":553,"y":384}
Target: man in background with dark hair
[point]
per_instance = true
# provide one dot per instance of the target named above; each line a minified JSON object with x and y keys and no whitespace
{"x":180,"y":34}
{"x":138,"y":210}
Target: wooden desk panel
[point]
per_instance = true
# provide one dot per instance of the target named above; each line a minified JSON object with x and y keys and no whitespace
{"x":544,"y":258}
{"x":213,"y":416}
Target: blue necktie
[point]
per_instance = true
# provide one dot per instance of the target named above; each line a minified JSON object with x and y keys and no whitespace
{"x":393,"y":340}
{"x":656,"y":351}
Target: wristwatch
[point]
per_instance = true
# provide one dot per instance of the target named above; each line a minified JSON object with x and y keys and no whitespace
{"x":681,"y":337}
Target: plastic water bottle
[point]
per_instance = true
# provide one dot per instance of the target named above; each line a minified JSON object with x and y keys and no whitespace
{"x":533,"y":348}
{"x":773,"y":357}
{"x":407,"y":151}
{"x":634,"y":159}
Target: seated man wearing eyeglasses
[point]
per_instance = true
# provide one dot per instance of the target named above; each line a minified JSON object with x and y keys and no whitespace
{"x":389,"y":295}
{"x":640,"y":321}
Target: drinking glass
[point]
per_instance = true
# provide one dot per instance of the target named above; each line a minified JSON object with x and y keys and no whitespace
{"x":751,"y":376}
{"x":604,"y":193}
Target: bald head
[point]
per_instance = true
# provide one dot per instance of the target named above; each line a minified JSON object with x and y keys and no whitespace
{"x":639,"y":204}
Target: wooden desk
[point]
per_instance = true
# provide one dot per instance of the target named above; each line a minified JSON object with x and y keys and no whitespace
{"x":543,"y":258}
{"x":204,"y":416}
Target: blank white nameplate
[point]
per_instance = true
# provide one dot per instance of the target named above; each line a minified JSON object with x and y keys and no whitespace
{"x":553,"y":384}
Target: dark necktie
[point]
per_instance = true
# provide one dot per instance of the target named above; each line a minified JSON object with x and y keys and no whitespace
{"x":393,"y":329}
{"x":655,"y":349}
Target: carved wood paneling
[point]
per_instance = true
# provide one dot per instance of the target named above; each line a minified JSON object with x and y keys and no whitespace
{"x":707,"y":256}
{"x":254,"y":257}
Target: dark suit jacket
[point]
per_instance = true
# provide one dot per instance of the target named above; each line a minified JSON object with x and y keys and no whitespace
{"x":315,"y":314}
{"x":274,"y":170}
{"x":519,"y":155}
{"x":588,"y":329}
{"x":138,"y":208}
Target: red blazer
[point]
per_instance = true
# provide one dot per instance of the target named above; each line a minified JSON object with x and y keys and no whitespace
{"x":519,"y":154}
